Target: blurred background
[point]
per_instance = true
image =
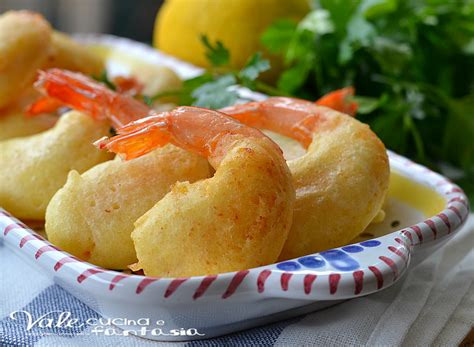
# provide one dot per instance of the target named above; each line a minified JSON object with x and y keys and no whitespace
{"x":133,"y":19}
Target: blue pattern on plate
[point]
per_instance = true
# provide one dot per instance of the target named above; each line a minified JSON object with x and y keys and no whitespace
{"x":371,"y":243}
{"x":337,"y":258}
{"x":340,"y":260}
{"x":289,"y":266}
{"x":312,"y":262}
{"x":353,"y":249}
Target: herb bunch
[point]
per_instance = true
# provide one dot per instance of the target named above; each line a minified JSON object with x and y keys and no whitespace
{"x":215,"y":88}
{"x":410,"y":61}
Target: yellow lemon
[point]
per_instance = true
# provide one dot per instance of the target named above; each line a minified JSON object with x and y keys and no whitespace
{"x":237,"y":23}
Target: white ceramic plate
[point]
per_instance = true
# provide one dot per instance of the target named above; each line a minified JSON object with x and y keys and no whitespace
{"x":218,"y":304}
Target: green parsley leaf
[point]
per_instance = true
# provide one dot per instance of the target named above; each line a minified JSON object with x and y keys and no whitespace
{"x":103,"y":78}
{"x":216,"y":94}
{"x":376,"y":8}
{"x":360,"y":33}
{"x":255,"y":65}
{"x":277,"y":36}
{"x":217,"y":54}
{"x":293,"y":78}
{"x":148,"y":100}
{"x":318,"y":22}
{"x":366,"y":104}
{"x":459,"y":128}
{"x":190,"y":85}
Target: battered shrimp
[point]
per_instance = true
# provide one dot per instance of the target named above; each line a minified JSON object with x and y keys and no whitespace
{"x":35,"y":167}
{"x":28,"y":43}
{"x":157,"y":79}
{"x":235,"y":220}
{"x":92,"y":216}
{"x":14,"y":123}
{"x":25,"y":45}
{"x":340,"y":182}
{"x":340,"y":100}
{"x":82,"y":93}
{"x":68,"y":54}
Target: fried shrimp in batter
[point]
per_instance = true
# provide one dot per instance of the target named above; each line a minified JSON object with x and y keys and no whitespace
{"x":237,"y":219}
{"x":25,"y":45}
{"x":14,"y":122}
{"x":35,"y":167}
{"x":340,"y":182}
{"x":92,"y":216}
{"x":68,"y":54}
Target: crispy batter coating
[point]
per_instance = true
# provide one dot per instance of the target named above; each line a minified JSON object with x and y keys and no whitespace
{"x":156,"y":79}
{"x":92,"y":216}
{"x":340,"y":182}
{"x":68,"y":54}
{"x":35,"y":167}
{"x":14,"y":123}
{"x":238,"y":219}
{"x":25,"y":44}
{"x":342,"y":179}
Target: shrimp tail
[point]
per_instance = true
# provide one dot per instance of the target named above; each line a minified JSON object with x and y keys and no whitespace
{"x":44,"y":104}
{"x":186,"y":127}
{"x":135,"y":140}
{"x":340,"y":100}
{"x":128,"y":85}
{"x":84,"y":94}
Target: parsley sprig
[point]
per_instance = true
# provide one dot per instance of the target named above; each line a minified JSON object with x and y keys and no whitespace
{"x":103,"y":78}
{"x":410,"y":61}
{"x":216,"y":87}
{"x":413,"y":61}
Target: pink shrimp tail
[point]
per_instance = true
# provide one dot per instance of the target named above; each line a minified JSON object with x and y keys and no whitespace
{"x":84,"y":94}
{"x":128,"y":85}
{"x":138,"y":138}
{"x":195,"y":129}
{"x":295,"y":118}
{"x":340,"y":100}
{"x":44,"y":104}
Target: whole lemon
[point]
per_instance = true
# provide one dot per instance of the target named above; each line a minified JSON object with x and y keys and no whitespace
{"x":237,"y":23}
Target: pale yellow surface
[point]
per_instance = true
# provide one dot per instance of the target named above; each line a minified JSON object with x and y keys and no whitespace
{"x":237,"y":23}
{"x":92,"y":216}
{"x":155,"y":78}
{"x":14,"y":123}
{"x":28,"y":44}
{"x":68,"y":54}
{"x":238,"y":219}
{"x":402,"y":188}
{"x":380,"y":216}
{"x":33,"y":168}
{"x":341,"y":183}
{"x":25,"y":44}
{"x":416,"y":195}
